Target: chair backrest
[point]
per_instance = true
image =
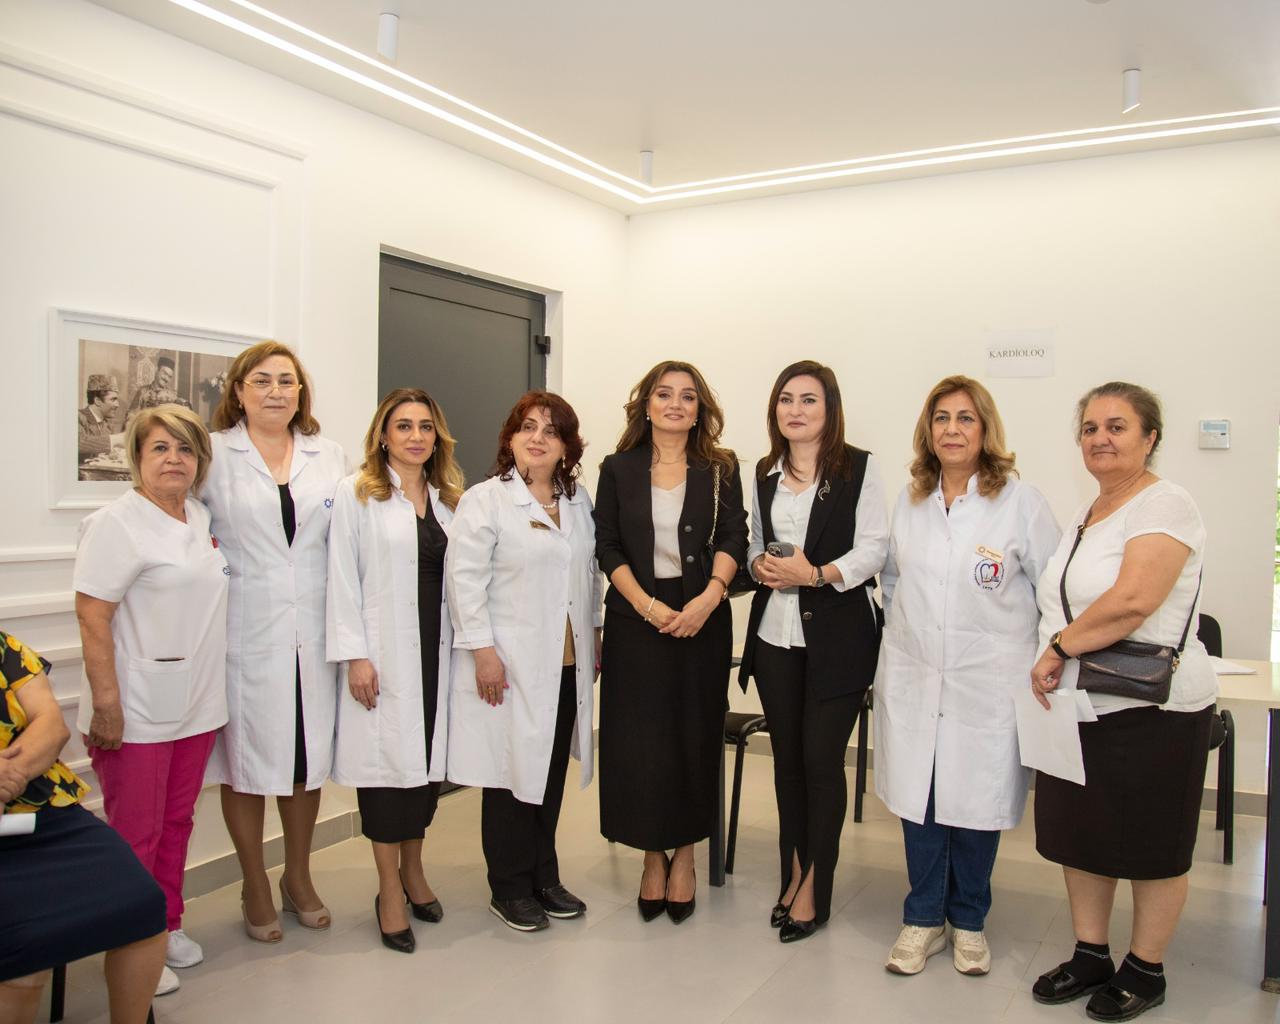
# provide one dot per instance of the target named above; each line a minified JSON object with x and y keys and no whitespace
{"x":1210,"y":634}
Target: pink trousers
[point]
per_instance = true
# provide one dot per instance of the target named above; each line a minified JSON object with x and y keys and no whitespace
{"x":149,"y":791}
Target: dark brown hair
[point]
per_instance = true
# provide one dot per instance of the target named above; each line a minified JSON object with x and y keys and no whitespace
{"x":564,"y":419}
{"x":704,"y":438}
{"x":230,"y":411}
{"x":441,"y":470}
{"x":833,"y":454}
{"x":995,"y":461}
{"x":1144,"y":401}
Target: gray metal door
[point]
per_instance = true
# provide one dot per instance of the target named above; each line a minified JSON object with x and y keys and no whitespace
{"x":473,"y":345}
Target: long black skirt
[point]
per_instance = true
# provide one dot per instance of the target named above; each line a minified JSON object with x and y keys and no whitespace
{"x":1137,"y":813}
{"x":662,"y":706}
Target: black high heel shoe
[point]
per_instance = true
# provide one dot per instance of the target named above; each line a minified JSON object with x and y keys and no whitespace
{"x":649,"y":909}
{"x":432,"y":913}
{"x":778,"y":914}
{"x":680,"y":912}
{"x":793,"y":930}
{"x":401,"y":942}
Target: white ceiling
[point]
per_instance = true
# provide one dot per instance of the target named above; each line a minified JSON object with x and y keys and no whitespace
{"x":728,"y":87}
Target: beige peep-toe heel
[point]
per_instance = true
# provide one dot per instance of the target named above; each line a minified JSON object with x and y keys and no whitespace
{"x":269,"y":933}
{"x":318,"y":919}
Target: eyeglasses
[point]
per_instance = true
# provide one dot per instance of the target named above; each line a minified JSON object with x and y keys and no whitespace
{"x":263,"y":385}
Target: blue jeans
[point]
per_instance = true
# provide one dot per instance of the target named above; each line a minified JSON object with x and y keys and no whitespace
{"x":950,"y":873}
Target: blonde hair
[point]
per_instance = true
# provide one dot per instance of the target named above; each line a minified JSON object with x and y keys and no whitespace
{"x":442,"y":469}
{"x":230,"y":411}
{"x":182,"y":424}
{"x":995,"y":461}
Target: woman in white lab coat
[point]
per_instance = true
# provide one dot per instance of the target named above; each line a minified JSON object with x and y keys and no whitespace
{"x":388,"y":625}
{"x":524,"y":595}
{"x":270,"y":491}
{"x":967,"y":543}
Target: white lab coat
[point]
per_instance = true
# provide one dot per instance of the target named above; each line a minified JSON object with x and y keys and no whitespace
{"x":275,"y":612}
{"x":373,"y":613}
{"x":512,"y":578}
{"x":959,"y":639}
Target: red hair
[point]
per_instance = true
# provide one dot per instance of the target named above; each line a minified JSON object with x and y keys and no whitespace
{"x":563,"y":418}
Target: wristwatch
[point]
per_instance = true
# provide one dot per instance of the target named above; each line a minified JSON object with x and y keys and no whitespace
{"x":1055,"y":642}
{"x":818,"y":580}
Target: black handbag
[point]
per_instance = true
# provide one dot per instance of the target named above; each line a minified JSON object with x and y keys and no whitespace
{"x":742,"y":581}
{"x":1126,"y":668}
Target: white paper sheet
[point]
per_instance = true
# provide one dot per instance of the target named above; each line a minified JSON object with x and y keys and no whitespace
{"x":1230,"y":668}
{"x":1050,"y":740}
{"x":17,"y":824}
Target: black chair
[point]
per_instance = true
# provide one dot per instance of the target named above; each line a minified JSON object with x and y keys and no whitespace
{"x":739,"y":727}
{"x":860,"y":775}
{"x":58,"y":997}
{"x":1222,"y":738}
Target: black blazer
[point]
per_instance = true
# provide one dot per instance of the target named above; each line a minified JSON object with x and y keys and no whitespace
{"x":841,"y":630}
{"x":624,"y":523}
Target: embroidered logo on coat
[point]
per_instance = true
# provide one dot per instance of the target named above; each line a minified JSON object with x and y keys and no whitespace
{"x":988,"y":574}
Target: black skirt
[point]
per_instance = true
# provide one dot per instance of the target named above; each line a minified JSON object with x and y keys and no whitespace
{"x":387,"y":814}
{"x":1137,"y":813}
{"x":662,"y":706}
{"x":71,"y":889}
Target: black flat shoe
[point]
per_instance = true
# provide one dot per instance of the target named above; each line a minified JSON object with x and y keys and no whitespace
{"x":792,"y":930}
{"x":777,"y":915}
{"x":1061,"y":986}
{"x":401,"y":942}
{"x":1113,"y":1003}
{"x":524,"y":914}
{"x":432,"y":913}
{"x":558,"y":902}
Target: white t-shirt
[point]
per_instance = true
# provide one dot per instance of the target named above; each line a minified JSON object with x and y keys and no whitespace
{"x":170,"y":583}
{"x":1163,"y":507}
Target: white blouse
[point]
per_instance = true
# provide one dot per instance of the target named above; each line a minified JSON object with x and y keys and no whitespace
{"x":1163,"y":507}
{"x":789,"y":513}
{"x":667,"y":506}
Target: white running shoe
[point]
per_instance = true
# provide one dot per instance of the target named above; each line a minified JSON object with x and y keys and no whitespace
{"x":970,"y":952}
{"x":914,"y":946}
{"x":183,"y":951}
{"x":168,"y":982}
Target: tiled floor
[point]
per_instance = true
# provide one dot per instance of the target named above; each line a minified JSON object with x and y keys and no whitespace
{"x":724,"y":964}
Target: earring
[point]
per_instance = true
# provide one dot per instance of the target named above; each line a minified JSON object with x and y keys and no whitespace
{"x":646,"y":417}
{"x":383,"y":446}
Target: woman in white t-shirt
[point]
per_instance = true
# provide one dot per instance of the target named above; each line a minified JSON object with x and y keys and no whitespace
{"x":151,"y":598}
{"x":1130,"y":569}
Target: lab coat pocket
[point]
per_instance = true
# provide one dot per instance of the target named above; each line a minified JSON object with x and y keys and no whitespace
{"x":158,"y":690}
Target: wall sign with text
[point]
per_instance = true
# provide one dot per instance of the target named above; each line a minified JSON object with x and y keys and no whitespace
{"x":1027,"y":353}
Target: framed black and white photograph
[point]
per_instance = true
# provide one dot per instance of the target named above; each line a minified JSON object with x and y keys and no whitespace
{"x":102,"y":371}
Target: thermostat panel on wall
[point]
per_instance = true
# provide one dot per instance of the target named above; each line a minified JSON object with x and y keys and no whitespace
{"x":1215,"y":433}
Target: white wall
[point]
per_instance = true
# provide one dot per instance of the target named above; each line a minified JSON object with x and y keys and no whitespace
{"x":124,"y":206}
{"x":1159,"y":268}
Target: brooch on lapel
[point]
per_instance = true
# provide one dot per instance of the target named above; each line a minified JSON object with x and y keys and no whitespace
{"x":538,"y":526}
{"x":824,"y":490}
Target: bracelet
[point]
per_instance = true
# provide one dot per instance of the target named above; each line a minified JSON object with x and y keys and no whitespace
{"x":650,"y":608}
{"x":723,"y":586}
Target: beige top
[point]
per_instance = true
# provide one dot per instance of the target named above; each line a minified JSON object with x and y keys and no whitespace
{"x":667,"y":506}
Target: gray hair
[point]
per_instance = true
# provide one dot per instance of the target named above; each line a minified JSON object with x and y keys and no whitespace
{"x":1144,"y":401}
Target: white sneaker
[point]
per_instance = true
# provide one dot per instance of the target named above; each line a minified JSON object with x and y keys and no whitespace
{"x":183,"y":951}
{"x":970,"y":953}
{"x":168,"y":982}
{"x":914,"y":946}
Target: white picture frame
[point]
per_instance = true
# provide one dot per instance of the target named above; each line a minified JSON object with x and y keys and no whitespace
{"x":123,"y":350}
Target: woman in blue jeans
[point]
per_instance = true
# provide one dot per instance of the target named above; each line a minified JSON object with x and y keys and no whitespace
{"x":967,"y":542}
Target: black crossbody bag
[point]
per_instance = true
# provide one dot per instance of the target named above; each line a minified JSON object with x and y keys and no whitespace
{"x":1127,"y":668}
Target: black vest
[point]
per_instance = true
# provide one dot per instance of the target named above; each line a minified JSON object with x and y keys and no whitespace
{"x":841,"y":630}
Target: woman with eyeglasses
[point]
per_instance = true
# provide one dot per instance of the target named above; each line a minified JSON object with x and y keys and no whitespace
{"x":271,"y":490}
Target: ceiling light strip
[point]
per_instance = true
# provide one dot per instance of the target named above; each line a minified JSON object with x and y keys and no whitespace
{"x":962,"y":157}
{"x":967,"y":146}
{"x":435,"y":91}
{"x":195,"y":7}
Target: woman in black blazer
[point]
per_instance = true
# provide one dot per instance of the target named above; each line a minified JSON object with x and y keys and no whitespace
{"x":670,"y":534}
{"x":814,"y":635}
